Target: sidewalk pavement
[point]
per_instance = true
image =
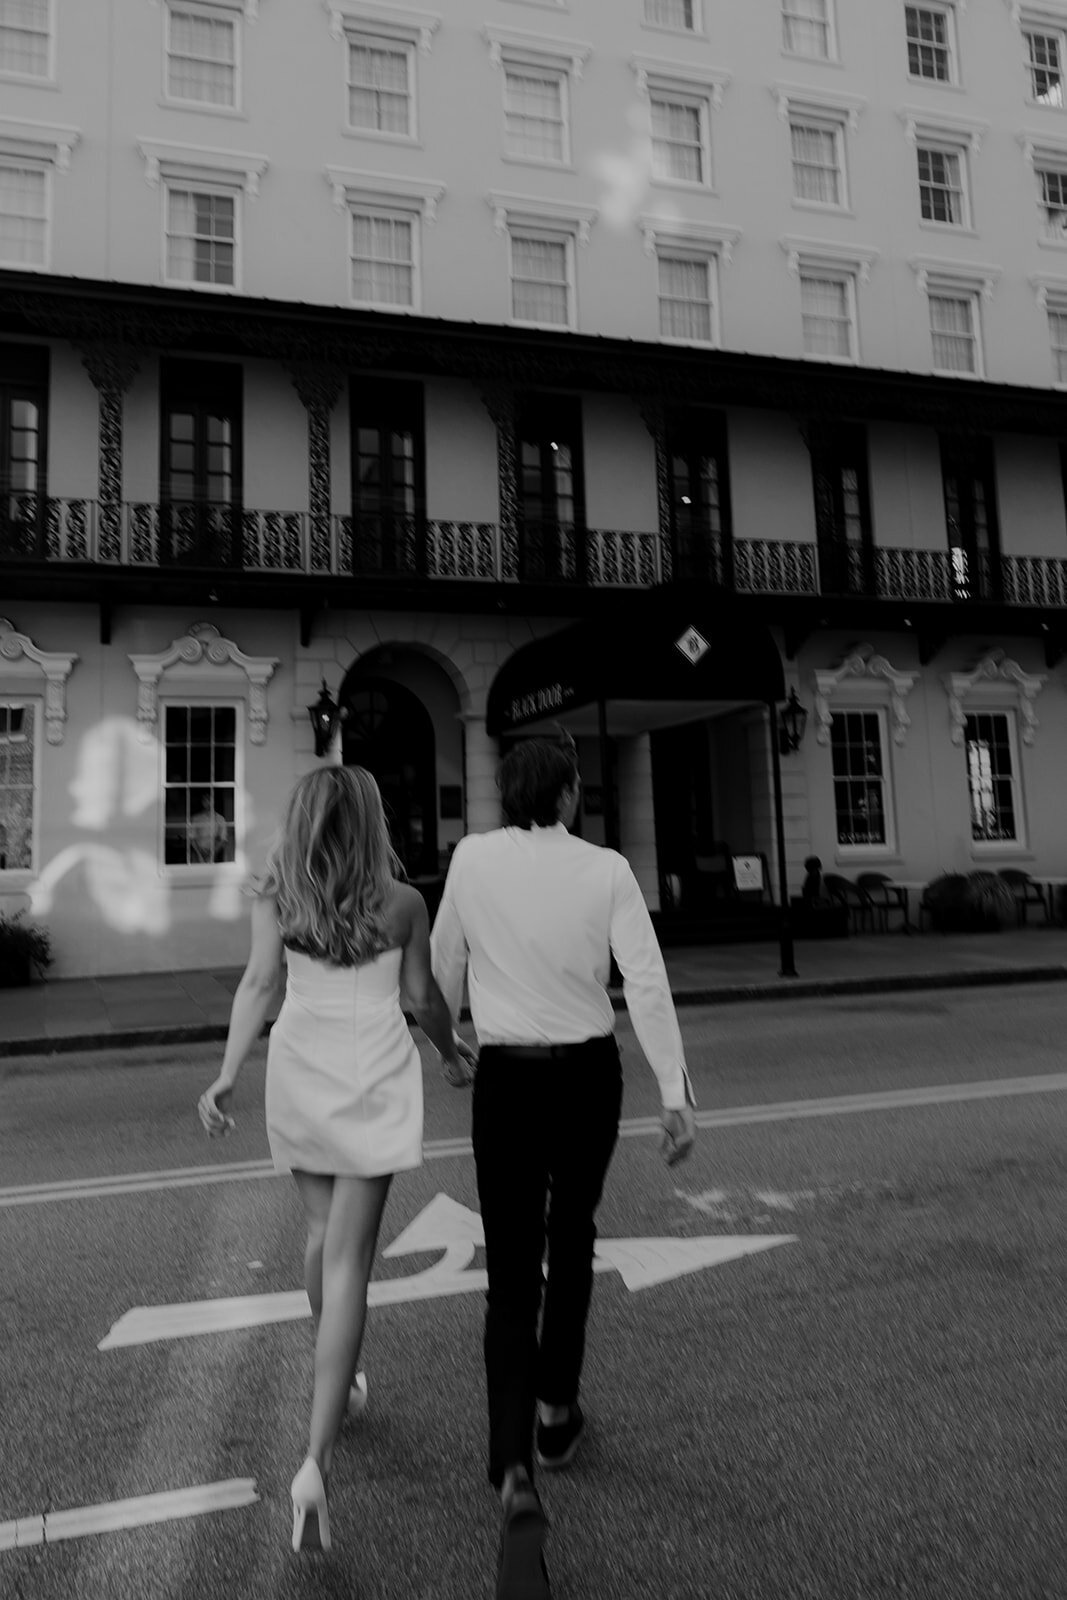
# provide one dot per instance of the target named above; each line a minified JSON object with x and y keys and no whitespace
{"x":180,"y":1007}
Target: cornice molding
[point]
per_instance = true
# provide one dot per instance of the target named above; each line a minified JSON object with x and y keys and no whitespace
{"x":953,"y":273}
{"x":684,"y":231}
{"x":517,"y":44}
{"x":862,"y":663}
{"x":659,"y":72}
{"x":946,"y":126}
{"x":397,"y":22}
{"x":54,"y":666}
{"x":829,"y":252}
{"x":1008,"y":682}
{"x":794,"y":98}
{"x":352,"y":187}
{"x":572,"y":215}
{"x":51,"y":142}
{"x":202,"y":650}
{"x":170,"y":159}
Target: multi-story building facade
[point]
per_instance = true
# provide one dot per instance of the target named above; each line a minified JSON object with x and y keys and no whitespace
{"x":374,"y":345}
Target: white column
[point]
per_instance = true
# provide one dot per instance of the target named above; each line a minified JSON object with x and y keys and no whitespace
{"x":481,"y":759}
{"x":637,"y":819}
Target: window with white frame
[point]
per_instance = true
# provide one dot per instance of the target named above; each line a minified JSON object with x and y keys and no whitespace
{"x":24,"y":203}
{"x":954,"y":330}
{"x":200,"y":794}
{"x":687,"y":295}
{"x":682,"y":16}
{"x":201,"y":236}
{"x":1044,"y":60}
{"x":26,"y":38}
{"x":201,"y":56}
{"x":992,"y":777}
{"x":384,"y":257}
{"x":542,"y":277}
{"x":818,"y":161}
{"x":17,"y":784}
{"x":861,"y":790}
{"x":1057,"y":333}
{"x":1052,"y":189}
{"x":828,"y":314}
{"x":381,"y":85}
{"x":942,"y":185}
{"x":536,"y":105}
{"x":680,"y":148}
{"x":807,"y":28}
{"x":931,"y":43}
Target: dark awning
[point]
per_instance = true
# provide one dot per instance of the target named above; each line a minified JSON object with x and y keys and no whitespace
{"x":666,"y":647}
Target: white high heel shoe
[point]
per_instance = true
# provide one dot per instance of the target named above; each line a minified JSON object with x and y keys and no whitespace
{"x":311,"y":1518}
{"x":357,"y":1395}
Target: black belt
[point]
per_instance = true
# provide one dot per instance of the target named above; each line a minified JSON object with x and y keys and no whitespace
{"x":548,"y":1052}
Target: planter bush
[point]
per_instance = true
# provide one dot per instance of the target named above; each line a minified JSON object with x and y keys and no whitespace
{"x":974,"y":902}
{"x":25,"y":950}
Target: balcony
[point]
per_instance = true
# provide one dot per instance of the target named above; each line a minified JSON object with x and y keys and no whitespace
{"x":146,"y":537}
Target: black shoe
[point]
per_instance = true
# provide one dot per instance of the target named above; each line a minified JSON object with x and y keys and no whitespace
{"x":521,"y":1572}
{"x":557,"y":1444}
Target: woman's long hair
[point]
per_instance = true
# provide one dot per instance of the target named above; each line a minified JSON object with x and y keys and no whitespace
{"x":332,"y":868}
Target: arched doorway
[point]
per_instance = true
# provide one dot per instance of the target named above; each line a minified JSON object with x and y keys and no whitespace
{"x":387,"y":729}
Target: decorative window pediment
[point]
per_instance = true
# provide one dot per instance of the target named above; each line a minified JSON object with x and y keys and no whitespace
{"x":860,"y":673}
{"x":20,"y":658}
{"x":566,"y":215}
{"x":857,"y":258}
{"x":683,"y":231}
{"x":198,"y":163}
{"x":654,"y":72}
{"x":942,"y":127}
{"x":797,"y":99}
{"x":204,"y":658}
{"x":934,"y":272}
{"x":38,"y":141}
{"x":247,"y":8}
{"x":996,"y":681}
{"x":537,"y":49}
{"x":394,"y":22}
{"x":384,"y":188}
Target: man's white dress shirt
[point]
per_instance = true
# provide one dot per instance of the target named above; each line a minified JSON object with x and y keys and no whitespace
{"x":531,"y":917}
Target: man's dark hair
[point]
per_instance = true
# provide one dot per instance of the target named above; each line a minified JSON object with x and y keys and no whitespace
{"x":532,"y":778}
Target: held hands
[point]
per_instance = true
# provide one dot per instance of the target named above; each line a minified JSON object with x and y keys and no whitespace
{"x":214,"y":1109}
{"x":459,"y":1068}
{"x":679,"y":1134}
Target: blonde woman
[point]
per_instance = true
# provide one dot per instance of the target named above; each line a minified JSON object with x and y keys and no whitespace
{"x":344,"y":1079}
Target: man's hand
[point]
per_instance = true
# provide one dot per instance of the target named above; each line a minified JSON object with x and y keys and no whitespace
{"x":679,"y":1134}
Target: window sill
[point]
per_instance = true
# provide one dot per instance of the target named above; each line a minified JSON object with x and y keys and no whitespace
{"x":830,"y":361}
{"x":1002,"y":847}
{"x":867,"y":855}
{"x":956,"y":228}
{"x":16,"y":880}
{"x":815,"y":61}
{"x":1051,"y":244}
{"x":686,"y":184}
{"x":29,"y":81}
{"x":675,"y":33}
{"x":935,"y":83}
{"x":232,"y":113}
{"x":550,"y":327}
{"x":535,"y":161}
{"x":690,"y":344}
{"x":26,"y":266}
{"x":384,"y":305}
{"x":202,"y":288}
{"x":203,"y":876}
{"x":955,"y":372}
{"x":407,"y":141}
{"x":823,"y":206}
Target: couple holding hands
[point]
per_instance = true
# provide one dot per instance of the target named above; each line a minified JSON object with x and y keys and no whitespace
{"x":530,"y":918}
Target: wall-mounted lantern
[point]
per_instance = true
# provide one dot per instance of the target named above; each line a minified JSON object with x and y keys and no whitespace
{"x":323,"y":716}
{"x":792,"y":720}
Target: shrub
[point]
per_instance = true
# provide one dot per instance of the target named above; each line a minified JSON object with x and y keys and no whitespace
{"x":22,"y":948}
{"x":971,"y":902}
{"x":991,"y":900}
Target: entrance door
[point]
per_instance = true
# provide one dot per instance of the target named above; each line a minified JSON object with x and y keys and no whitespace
{"x":700,"y":512}
{"x":551,"y":490}
{"x":968,"y":475}
{"x":842,"y":508}
{"x":388,"y":730}
{"x":23,"y":407}
{"x":200,"y":464}
{"x":693,"y":863}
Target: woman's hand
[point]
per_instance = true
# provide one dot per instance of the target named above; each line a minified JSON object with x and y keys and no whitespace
{"x":214,"y":1108}
{"x":459,"y":1069}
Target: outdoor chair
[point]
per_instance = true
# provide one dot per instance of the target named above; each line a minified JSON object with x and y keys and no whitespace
{"x":1026,"y":892}
{"x":856,"y":901}
{"x":885,"y":896}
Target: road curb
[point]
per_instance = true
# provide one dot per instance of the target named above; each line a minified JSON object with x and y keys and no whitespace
{"x":722,"y":994}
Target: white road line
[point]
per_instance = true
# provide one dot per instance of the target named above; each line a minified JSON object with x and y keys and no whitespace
{"x":632,"y":1128}
{"x":54,"y":1526}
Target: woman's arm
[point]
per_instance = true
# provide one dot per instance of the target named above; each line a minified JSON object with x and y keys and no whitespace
{"x":425,"y":998}
{"x":251,"y":1002}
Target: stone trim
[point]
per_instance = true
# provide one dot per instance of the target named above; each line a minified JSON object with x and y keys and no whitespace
{"x":55,"y":666}
{"x":861,"y":662}
{"x":1011,"y":685}
{"x":203,"y":649}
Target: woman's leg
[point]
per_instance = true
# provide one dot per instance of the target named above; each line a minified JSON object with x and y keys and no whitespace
{"x":316,"y":1192}
{"x":352,"y":1224}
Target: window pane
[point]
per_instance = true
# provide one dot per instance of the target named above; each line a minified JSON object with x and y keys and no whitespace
{"x":200,"y":237}
{"x":23,"y":209}
{"x":533,"y":105}
{"x":670,"y":13}
{"x":941,"y":186}
{"x":539,"y":280}
{"x":859,"y":777}
{"x":201,"y":63}
{"x":379,"y":87}
{"x":990,"y":778}
{"x":382,"y":261}
{"x":816,"y":171}
{"x":24,"y":37}
{"x":685,"y":299}
{"x":928,"y":43}
{"x":1045,"y":52}
{"x":826,"y":316}
{"x":806,"y":28}
{"x":677,"y":145}
{"x":952,"y":332}
{"x":200,"y":795}
{"x":17,"y":742}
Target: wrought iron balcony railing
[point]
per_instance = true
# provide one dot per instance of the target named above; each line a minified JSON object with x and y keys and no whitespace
{"x":143,"y":535}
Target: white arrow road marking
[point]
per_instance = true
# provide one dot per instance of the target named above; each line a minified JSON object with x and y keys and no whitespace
{"x":447,"y":1226}
{"x":54,"y":1526}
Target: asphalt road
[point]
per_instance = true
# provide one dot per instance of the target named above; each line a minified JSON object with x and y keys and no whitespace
{"x":876,"y":1409}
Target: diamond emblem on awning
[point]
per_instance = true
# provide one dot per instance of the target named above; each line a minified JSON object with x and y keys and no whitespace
{"x":693,"y":645}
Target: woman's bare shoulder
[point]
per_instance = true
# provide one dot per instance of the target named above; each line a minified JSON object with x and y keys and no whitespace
{"x":400,"y":908}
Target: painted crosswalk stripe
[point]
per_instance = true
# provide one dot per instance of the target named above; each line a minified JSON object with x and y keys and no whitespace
{"x":631,"y":1128}
{"x":54,"y":1526}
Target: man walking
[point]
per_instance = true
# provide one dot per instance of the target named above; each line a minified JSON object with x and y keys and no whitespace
{"x":531,"y":915}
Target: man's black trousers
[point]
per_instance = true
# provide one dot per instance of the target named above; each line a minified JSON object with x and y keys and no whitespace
{"x":544,"y":1128}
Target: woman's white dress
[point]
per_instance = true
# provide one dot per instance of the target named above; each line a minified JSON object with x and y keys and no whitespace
{"x":344,"y":1078}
